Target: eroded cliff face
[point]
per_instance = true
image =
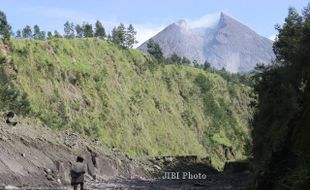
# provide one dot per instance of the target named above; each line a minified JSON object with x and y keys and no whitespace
{"x":31,"y":154}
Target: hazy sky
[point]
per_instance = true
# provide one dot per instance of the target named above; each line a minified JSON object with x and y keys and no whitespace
{"x":148,"y":16}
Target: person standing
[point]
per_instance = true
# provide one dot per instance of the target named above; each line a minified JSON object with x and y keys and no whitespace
{"x":77,"y":173}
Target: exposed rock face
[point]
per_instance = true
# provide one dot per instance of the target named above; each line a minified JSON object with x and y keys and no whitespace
{"x":33,"y":155}
{"x":228,"y":44}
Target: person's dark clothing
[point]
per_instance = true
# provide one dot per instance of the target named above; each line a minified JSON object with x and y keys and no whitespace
{"x":77,"y":175}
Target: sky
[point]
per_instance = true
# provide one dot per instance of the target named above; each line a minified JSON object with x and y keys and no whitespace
{"x":147,"y":16}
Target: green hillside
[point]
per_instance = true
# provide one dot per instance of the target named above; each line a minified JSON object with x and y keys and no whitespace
{"x":126,"y":99}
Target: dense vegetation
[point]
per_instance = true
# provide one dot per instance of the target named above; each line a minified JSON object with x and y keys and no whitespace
{"x":127,"y":99}
{"x":281,"y":134}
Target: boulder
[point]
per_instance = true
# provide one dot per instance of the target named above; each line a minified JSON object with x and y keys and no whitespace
{"x":11,"y":118}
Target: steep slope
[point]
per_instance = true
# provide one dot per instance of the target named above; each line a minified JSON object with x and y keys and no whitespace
{"x":229,"y":44}
{"x":236,"y":47}
{"x":126,"y":100}
{"x":179,"y":37}
{"x":33,"y":155}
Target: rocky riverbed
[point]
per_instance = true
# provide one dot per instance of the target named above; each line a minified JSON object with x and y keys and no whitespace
{"x":212,"y":182}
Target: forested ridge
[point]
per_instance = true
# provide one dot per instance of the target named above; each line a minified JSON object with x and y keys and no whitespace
{"x":281,"y":134}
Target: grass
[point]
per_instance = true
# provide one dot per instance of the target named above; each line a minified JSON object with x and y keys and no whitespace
{"x":129,"y":101}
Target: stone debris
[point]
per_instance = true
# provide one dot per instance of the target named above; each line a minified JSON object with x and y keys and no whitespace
{"x":9,"y":187}
{"x":11,"y":118}
{"x":34,"y":155}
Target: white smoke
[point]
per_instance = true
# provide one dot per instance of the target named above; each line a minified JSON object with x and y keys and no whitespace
{"x":207,"y":21}
{"x":147,"y":30}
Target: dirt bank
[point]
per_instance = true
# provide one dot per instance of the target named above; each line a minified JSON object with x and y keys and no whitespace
{"x":34,"y":155}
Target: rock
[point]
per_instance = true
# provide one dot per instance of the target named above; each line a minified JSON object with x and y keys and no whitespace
{"x":3,"y":138}
{"x":118,"y":161}
{"x":168,"y":159}
{"x":157,"y":167}
{"x":58,"y":181}
{"x":89,"y":177}
{"x":11,"y":118}
{"x":10,"y":187}
{"x":63,"y":172}
{"x":49,"y":174}
{"x":50,"y":177}
{"x":23,"y":154}
{"x":47,"y":170}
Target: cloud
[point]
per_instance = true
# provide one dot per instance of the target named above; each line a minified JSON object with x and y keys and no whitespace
{"x":59,"y":13}
{"x":147,"y":31}
{"x":273,"y":37}
{"x":206,"y":21}
{"x":53,"y":18}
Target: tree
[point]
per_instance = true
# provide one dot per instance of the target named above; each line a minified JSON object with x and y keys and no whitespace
{"x":154,"y":49}
{"x":185,"y":61}
{"x":99,"y":30}
{"x":5,"y":28}
{"x":18,"y":34}
{"x":43,"y":35}
{"x":131,"y":36}
{"x":119,"y":35}
{"x":280,"y":127}
{"x":79,"y":31}
{"x":288,"y":38}
{"x":88,"y":30}
{"x":69,"y":30}
{"x":57,"y":34}
{"x":175,"y":59}
{"x":206,"y":65}
{"x":114,"y":36}
{"x":27,"y":32}
{"x":49,"y":35}
{"x":37,"y":33}
{"x":195,"y":63}
{"x":306,"y":12}
{"x":109,"y":37}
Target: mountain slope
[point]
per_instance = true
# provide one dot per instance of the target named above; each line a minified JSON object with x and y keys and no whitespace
{"x":126,"y":99}
{"x":229,"y":44}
